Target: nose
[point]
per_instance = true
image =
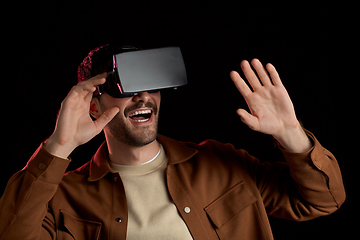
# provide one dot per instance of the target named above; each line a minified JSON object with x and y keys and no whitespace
{"x":141,"y":97}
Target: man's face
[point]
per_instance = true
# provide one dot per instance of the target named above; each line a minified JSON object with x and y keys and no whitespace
{"x":136,"y":124}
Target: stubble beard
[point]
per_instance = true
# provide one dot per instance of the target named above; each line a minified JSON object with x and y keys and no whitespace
{"x":137,"y":136}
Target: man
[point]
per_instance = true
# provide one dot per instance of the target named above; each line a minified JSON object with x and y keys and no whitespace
{"x":141,"y":185}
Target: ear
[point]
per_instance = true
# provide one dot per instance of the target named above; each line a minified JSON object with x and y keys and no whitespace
{"x":95,"y":110}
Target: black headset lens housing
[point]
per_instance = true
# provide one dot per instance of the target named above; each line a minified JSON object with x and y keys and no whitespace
{"x":149,"y":70}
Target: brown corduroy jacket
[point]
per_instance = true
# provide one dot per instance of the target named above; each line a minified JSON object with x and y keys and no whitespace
{"x":220,"y":192}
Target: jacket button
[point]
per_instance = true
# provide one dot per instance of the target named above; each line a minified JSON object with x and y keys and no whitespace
{"x":118,"y":220}
{"x":187,"y":210}
{"x":115,"y":179}
{"x":41,"y":166}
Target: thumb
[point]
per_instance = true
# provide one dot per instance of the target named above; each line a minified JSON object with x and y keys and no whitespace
{"x":248,"y":119}
{"x":105,"y":118}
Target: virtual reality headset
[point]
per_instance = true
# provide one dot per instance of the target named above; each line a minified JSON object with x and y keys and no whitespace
{"x":150,"y":70}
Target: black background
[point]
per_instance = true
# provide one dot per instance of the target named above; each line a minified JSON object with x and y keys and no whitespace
{"x":308,"y":44}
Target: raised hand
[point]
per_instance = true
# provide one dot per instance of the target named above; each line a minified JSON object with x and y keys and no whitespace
{"x":272,"y":111}
{"x":74,"y":125}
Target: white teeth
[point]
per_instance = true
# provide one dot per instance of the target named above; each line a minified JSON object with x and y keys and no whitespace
{"x":140,"y":112}
{"x":142,"y":120}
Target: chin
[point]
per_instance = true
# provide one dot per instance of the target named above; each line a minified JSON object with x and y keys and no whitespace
{"x":141,"y":140}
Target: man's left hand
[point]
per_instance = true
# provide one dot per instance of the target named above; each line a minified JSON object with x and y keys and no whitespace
{"x":272,"y":111}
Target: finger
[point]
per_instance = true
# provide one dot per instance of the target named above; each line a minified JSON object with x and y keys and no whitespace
{"x":105,"y":118}
{"x":260,"y":70}
{"x":84,"y":88}
{"x":250,"y":75}
{"x":90,"y":84}
{"x":88,"y":97}
{"x":248,"y":119}
{"x":93,"y":82}
{"x":273,"y":74}
{"x":97,"y":80}
{"x":80,"y":92}
{"x":240,"y":84}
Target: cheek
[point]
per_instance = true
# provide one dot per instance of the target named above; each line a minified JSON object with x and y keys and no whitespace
{"x":156,"y":98}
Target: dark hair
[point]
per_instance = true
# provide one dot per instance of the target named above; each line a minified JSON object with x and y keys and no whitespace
{"x":98,"y":60}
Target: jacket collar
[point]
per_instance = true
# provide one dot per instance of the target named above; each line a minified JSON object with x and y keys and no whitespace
{"x":176,"y":152}
{"x":99,"y":164}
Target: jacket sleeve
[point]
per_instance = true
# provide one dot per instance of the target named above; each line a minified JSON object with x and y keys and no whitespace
{"x":23,"y":207}
{"x":308,"y":186}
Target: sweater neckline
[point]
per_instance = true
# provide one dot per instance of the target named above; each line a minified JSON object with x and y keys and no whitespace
{"x":143,"y":169}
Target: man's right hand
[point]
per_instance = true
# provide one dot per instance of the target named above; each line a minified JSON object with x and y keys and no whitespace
{"x":74,"y":125}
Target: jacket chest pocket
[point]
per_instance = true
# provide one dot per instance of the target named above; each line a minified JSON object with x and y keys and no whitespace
{"x":232,"y":214}
{"x":79,"y":229}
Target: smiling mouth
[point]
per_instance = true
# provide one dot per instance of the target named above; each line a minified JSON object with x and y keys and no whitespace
{"x":141,"y":116}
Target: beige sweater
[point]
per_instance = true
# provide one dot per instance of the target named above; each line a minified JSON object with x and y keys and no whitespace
{"x":152,"y":214}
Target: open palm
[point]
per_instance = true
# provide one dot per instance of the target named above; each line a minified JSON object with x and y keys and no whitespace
{"x":270,"y":105}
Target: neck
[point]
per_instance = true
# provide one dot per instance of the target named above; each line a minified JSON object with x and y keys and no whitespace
{"x":124,"y":154}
